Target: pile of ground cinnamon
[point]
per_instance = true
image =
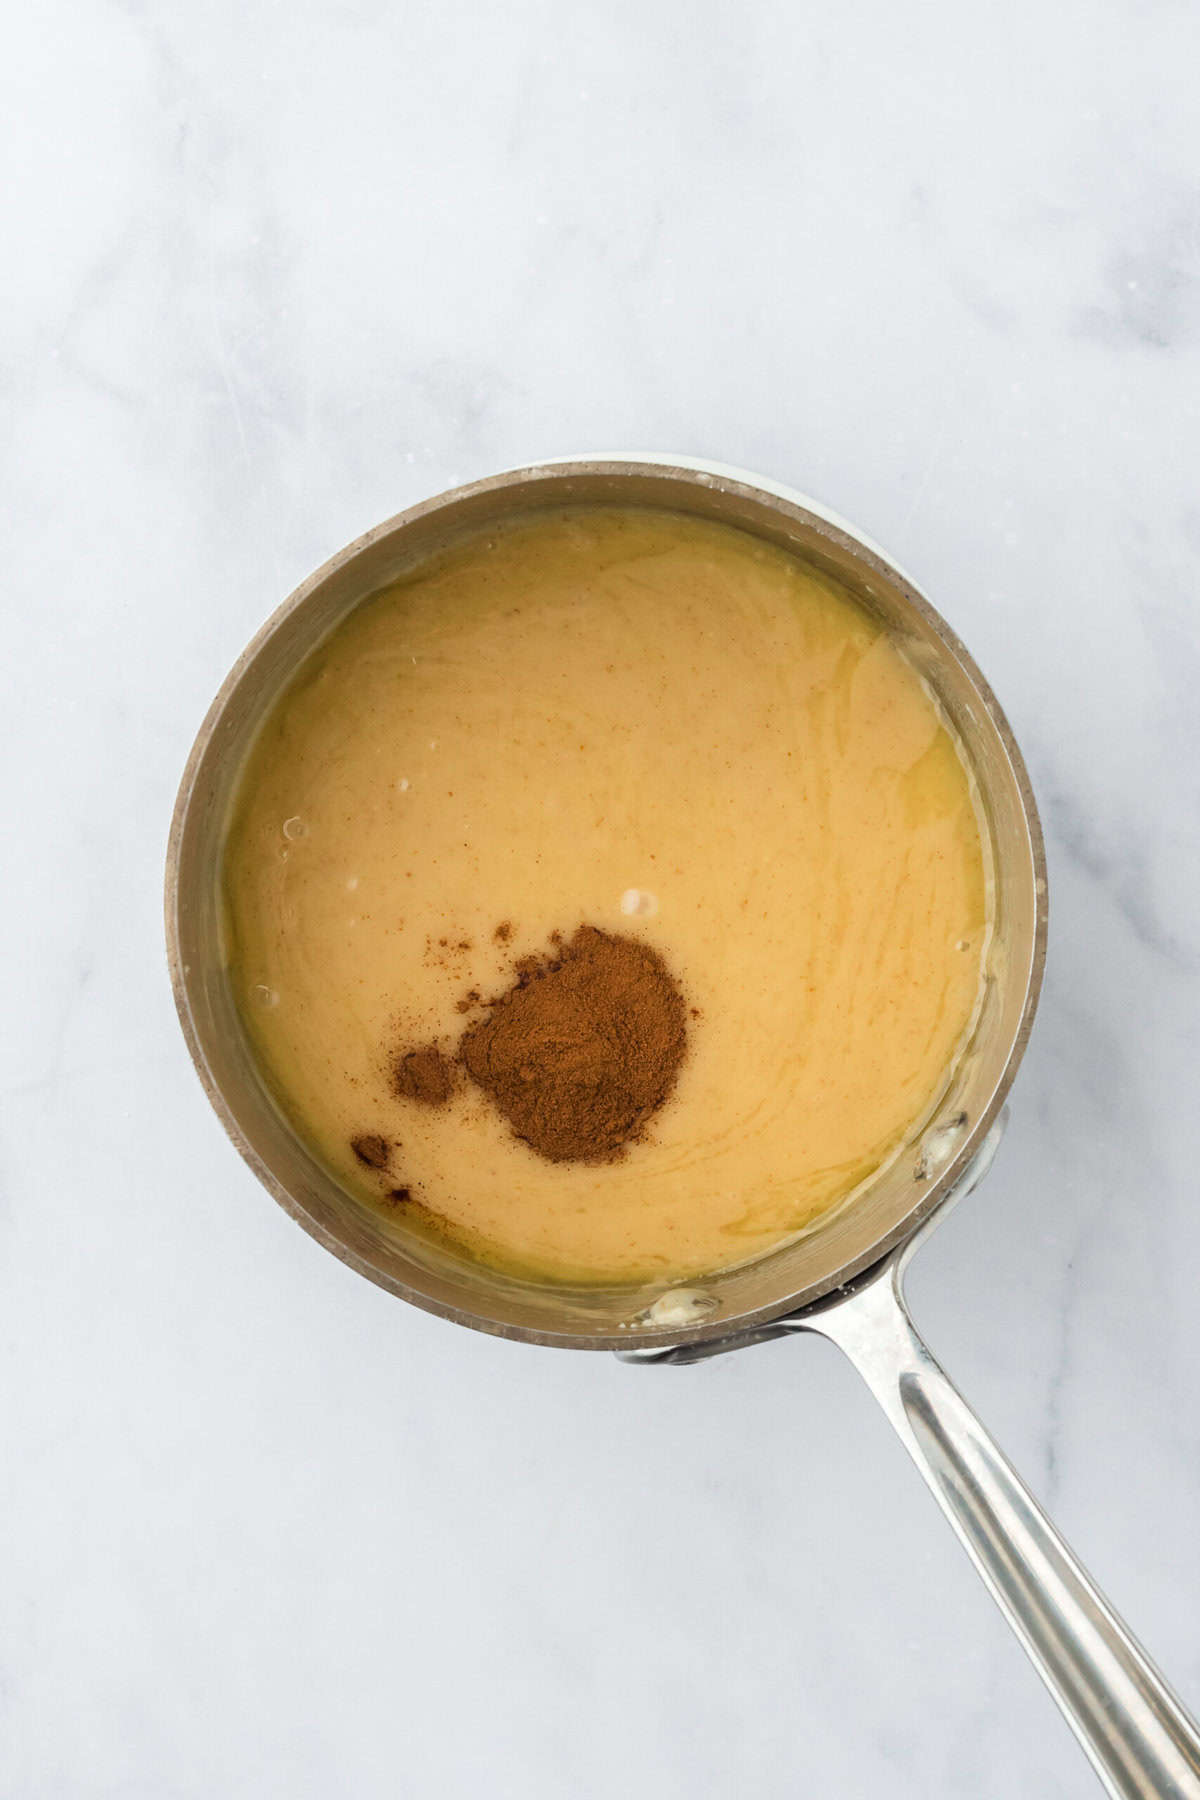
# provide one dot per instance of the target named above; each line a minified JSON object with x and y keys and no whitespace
{"x":579,"y":1052}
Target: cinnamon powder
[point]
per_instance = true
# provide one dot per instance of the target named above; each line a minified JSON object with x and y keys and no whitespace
{"x":373,"y":1152}
{"x":426,"y":1075}
{"x":579,"y":1052}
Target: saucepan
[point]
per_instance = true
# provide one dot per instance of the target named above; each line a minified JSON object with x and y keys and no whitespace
{"x":842,"y":1278}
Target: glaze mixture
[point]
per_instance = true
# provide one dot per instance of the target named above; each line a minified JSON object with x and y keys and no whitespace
{"x":662,"y":731}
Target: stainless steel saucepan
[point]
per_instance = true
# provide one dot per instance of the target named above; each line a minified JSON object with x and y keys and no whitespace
{"x":844,"y":1278}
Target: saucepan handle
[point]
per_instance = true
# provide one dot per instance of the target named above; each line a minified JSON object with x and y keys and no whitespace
{"x":1141,"y":1741}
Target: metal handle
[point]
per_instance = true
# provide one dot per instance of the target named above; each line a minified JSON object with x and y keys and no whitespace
{"x":1141,"y":1741}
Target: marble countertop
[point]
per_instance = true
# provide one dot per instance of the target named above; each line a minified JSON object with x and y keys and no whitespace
{"x":273,"y":273}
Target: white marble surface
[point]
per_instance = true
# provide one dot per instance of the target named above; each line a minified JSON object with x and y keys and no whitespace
{"x":272,"y":272}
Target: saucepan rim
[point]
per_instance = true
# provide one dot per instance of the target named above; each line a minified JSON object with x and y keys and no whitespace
{"x":869,"y":558}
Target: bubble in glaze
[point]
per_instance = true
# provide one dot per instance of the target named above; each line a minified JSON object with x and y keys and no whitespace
{"x":636,"y":903}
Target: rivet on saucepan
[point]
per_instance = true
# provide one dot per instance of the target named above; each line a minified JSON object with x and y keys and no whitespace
{"x":295,"y":827}
{"x":678,"y":1306}
{"x":940,"y":1147}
